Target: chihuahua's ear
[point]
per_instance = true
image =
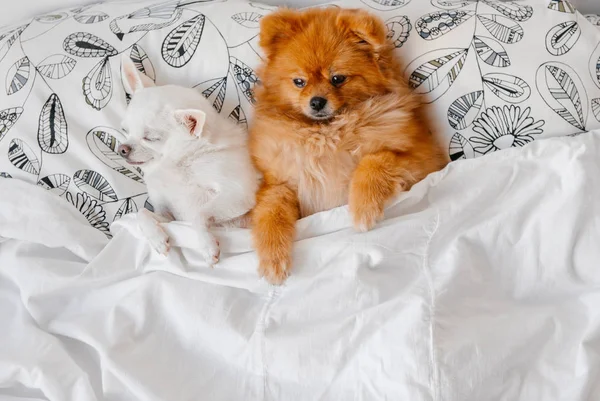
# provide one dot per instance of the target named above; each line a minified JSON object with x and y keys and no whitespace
{"x":133,"y":79}
{"x":276,"y":28}
{"x":192,"y":119}
{"x":367,"y":28}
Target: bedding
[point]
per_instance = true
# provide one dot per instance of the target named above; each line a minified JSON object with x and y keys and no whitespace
{"x":496,"y":74}
{"x":481,"y":284}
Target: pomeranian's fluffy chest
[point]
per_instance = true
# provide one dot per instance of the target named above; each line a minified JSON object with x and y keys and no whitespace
{"x":320,"y":167}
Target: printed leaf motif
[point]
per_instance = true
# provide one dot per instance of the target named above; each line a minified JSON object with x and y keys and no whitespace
{"x":10,"y":40}
{"x":266,"y":7}
{"x":435,"y":76}
{"x":451,"y":4}
{"x":491,"y":51}
{"x":502,"y":128}
{"x":95,"y":185}
{"x":90,"y":17}
{"x":248,"y":19}
{"x":502,"y":28}
{"x":91,"y":210}
{"x":81,"y":9}
{"x":464,"y":110}
{"x":215,"y":93}
{"x":595,"y":65}
{"x":22,"y":157}
{"x":563,"y":92}
{"x":55,"y":183}
{"x":8,"y":118}
{"x":104,"y":146}
{"x":439,"y":23}
{"x":56,"y":66}
{"x":51,"y":18}
{"x":460,"y":148}
{"x":142,"y":62}
{"x":128,"y":206}
{"x":509,"y":88}
{"x":83,"y":44}
{"x":562,"y":6}
{"x":245,"y":78}
{"x":161,"y":10}
{"x":238,"y":116}
{"x":167,"y":12}
{"x":596,"y":108}
{"x":52,"y":127}
{"x":398,"y":30}
{"x":385,"y":5}
{"x":562,"y":37}
{"x":18,"y":75}
{"x":97,"y":85}
{"x":511,"y":9}
{"x":181,"y":43}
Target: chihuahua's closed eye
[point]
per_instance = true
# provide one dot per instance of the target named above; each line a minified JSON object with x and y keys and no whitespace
{"x":195,"y":162}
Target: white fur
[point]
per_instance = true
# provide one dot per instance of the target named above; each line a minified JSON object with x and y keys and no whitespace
{"x":195,"y":162}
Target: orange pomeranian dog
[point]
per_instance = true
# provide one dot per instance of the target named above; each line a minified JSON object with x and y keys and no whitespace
{"x":335,"y":124}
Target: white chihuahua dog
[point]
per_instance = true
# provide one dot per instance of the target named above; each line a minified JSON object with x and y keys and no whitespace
{"x":195,"y":162}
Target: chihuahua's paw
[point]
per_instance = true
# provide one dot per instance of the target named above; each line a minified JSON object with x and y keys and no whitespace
{"x":159,"y":240}
{"x":365,"y":215}
{"x":211,"y":252}
{"x":274,"y":270}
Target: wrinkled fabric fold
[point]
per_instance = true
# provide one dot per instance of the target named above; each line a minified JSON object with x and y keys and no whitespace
{"x":481,"y":284}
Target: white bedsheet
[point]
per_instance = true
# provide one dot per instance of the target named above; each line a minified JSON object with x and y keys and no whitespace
{"x":483,"y":283}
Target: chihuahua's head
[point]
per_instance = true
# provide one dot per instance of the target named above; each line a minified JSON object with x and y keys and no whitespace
{"x":159,"y":120}
{"x":322,"y":61}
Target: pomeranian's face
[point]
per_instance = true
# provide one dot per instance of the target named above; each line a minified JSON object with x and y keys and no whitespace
{"x":323,"y":61}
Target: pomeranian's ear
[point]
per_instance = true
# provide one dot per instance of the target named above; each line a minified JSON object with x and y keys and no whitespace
{"x":276,"y":28}
{"x":367,"y":28}
{"x":133,"y":79}
{"x":192,"y":119}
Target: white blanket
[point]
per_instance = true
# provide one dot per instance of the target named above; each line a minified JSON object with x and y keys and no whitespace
{"x":483,"y":283}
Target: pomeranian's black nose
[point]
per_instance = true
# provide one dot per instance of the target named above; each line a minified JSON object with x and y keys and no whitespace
{"x":317,"y":103}
{"x":124,"y":150}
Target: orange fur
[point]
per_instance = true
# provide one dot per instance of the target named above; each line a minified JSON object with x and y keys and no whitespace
{"x":374,"y":145}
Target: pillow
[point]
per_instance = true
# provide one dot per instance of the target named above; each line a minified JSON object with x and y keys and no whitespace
{"x":495,"y":75}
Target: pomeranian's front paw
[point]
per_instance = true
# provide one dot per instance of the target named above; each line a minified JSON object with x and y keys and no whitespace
{"x":365,"y":215}
{"x":274,"y":270}
{"x":211,"y":252}
{"x":159,"y":240}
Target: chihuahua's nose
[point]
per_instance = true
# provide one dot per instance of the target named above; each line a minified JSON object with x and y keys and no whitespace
{"x":318,"y":103}
{"x":124,"y":150}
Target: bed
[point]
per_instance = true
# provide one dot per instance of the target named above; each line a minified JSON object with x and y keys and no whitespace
{"x":482,"y":282}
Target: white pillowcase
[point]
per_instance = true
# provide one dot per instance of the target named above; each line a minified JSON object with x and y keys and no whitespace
{"x":495,"y":74}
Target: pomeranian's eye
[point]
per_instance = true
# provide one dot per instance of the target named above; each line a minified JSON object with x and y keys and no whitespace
{"x":337,"y":80}
{"x":300,"y":83}
{"x":151,"y":139}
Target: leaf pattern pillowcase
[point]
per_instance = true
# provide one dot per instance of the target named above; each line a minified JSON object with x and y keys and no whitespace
{"x":495,"y":75}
